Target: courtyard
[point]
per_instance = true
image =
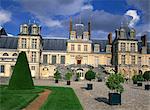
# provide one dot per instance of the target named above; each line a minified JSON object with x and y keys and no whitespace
{"x":133,"y":98}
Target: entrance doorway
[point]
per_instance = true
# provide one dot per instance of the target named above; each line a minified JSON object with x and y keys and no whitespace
{"x":78,"y":61}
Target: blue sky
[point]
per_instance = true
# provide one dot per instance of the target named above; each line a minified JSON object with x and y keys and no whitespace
{"x":53,"y":15}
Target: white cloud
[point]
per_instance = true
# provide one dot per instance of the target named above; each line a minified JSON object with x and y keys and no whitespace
{"x":87,"y":7}
{"x":50,"y":22}
{"x":46,"y":10}
{"x":5,"y":16}
{"x":134,"y":15}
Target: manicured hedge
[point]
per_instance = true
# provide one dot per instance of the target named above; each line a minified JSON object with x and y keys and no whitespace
{"x":21,"y":77}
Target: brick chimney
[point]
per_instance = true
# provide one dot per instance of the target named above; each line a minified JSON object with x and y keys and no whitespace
{"x":110,"y":38}
{"x":144,"y":40}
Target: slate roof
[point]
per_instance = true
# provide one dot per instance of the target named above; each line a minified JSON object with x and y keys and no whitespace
{"x":55,"y":44}
{"x":2,"y":31}
{"x":102,"y":44}
{"x":8,"y":42}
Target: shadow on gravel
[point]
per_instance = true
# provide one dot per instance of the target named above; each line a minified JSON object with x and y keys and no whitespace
{"x":102,"y":99}
{"x":136,"y":87}
{"x":84,"y":88}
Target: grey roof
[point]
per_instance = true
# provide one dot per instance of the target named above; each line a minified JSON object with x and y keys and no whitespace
{"x":140,"y":47}
{"x":102,"y":44}
{"x":8,"y":42}
{"x":2,"y":31}
{"x":55,"y":44}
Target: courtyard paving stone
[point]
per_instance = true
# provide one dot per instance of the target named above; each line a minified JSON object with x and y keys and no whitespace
{"x":133,"y":98}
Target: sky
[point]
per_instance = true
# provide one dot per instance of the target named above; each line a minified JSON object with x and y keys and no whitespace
{"x":53,"y":15}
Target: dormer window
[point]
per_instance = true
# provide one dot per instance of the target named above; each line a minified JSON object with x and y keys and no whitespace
{"x":34,"y":29}
{"x":96,"y":48}
{"x":132,"y":34}
{"x":24,"y":29}
{"x":122,"y":33}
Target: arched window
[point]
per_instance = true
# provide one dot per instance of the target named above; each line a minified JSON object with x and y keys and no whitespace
{"x":5,"y":54}
{"x":14,"y":54}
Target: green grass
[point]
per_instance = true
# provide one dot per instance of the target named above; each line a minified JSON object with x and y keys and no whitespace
{"x":16,"y":99}
{"x":62,"y":98}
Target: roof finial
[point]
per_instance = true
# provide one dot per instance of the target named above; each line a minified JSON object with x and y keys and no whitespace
{"x":121,"y":24}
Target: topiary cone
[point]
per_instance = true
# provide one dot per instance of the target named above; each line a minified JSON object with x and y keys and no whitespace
{"x":21,"y":77}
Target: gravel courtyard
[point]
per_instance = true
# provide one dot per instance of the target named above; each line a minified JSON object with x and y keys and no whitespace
{"x":133,"y":98}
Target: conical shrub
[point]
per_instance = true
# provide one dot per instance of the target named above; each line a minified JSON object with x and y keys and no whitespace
{"x":21,"y":77}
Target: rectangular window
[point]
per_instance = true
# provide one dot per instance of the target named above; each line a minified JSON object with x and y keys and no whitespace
{"x":32,"y":67}
{"x":2,"y":69}
{"x":123,"y":59}
{"x":24,"y":43}
{"x":34,"y":43}
{"x":79,"y":47}
{"x":62,"y":59}
{"x":139,"y":61}
{"x":108,"y":61}
{"x":53,"y":59}
{"x":33,"y":57}
{"x":45,"y":59}
{"x":123,"y":49}
{"x":96,"y":61}
{"x":133,"y":60}
{"x":85,"y":47}
{"x":72,"y":47}
{"x":132,"y":47}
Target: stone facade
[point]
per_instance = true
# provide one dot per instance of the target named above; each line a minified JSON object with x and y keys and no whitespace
{"x":125,"y":52}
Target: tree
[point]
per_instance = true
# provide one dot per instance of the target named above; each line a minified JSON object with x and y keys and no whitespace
{"x":57,"y":75}
{"x":90,"y":75}
{"x":140,"y":78}
{"x":146,"y":75}
{"x":68,"y":76}
{"x":134,"y":78}
{"x":21,"y":77}
{"x":114,"y":82}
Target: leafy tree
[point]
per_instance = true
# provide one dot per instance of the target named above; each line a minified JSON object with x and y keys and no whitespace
{"x":68,"y":76}
{"x":57,"y":75}
{"x":99,"y":76}
{"x":90,"y":75}
{"x":146,"y":75}
{"x":114,"y":82}
{"x":21,"y":77}
{"x":140,"y":77}
{"x":134,"y":78}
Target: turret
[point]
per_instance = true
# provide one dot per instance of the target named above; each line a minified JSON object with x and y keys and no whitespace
{"x":24,"y":29}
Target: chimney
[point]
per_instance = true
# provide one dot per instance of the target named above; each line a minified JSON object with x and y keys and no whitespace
{"x":144,"y":41}
{"x":89,"y":28}
{"x":70,"y":24}
{"x":110,"y":38}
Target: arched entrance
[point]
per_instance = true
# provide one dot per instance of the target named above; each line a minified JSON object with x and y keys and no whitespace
{"x":80,"y":71}
{"x":79,"y":58}
{"x":78,"y":61}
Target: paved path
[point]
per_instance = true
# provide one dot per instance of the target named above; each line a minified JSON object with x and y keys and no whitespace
{"x":39,"y":101}
{"x":133,"y":98}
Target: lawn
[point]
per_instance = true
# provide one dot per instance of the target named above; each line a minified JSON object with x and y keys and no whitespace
{"x":62,"y":98}
{"x":16,"y":99}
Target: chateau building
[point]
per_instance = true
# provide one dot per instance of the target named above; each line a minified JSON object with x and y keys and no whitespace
{"x":124,"y":53}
